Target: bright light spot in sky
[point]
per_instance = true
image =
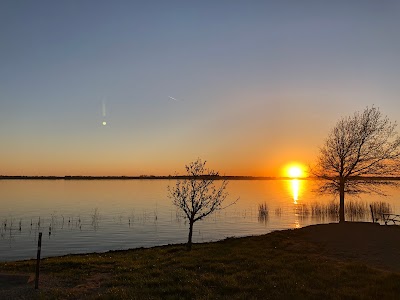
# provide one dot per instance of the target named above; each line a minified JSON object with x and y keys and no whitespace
{"x":104,"y":123}
{"x":294,"y":171}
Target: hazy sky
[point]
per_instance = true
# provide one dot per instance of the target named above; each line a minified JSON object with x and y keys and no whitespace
{"x":257,"y":84}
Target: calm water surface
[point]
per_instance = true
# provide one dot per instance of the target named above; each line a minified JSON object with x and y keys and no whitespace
{"x":100,"y":215}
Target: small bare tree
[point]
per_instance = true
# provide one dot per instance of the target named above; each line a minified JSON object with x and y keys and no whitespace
{"x":358,"y":148}
{"x":196,"y":194}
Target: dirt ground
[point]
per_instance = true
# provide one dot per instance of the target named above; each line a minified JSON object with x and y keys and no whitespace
{"x":373,"y":244}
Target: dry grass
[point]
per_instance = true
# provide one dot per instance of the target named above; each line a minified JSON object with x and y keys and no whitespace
{"x":263,"y":213}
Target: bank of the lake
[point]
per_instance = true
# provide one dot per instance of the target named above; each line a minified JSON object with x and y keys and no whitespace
{"x":331,"y":261}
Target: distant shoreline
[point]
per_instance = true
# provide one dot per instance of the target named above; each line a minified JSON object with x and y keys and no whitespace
{"x":153,"y":177}
{"x":142,"y":177}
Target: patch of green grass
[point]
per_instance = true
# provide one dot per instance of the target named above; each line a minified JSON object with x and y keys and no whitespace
{"x":280,"y":265}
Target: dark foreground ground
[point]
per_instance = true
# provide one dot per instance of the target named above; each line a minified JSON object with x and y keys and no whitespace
{"x":332,"y":261}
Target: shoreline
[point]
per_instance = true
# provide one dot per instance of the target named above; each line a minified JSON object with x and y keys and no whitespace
{"x":142,"y":177}
{"x":357,"y":260}
{"x":342,"y":228}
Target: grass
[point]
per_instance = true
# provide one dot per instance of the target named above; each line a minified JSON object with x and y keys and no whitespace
{"x":381,"y":207}
{"x":263,"y":212}
{"x":354,"y":210}
{"x":279,"y":265}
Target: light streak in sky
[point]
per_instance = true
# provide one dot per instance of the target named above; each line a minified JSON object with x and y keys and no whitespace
{"x":104,"y":108}
{"x":172,"y":98}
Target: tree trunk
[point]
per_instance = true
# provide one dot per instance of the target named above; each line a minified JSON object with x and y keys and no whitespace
{"x":189,"y":243}
{"x":341,"y":205}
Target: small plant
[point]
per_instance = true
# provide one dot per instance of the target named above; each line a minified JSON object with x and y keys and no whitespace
{"x":95,"y":219}
{"x":379,"y":208}
{"x":263,"y":212}
{"x":333,"y":210}
{"x":322,"y":211}
{"x":278,"y":211}
{"x":302,"y":210}
{"x":356,"y":210}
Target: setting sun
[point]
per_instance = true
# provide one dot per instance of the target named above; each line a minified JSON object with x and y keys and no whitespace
{"x":294,"y":171}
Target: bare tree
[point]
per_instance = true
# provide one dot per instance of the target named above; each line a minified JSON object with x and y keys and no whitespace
{"x":196,"y":194}
{"x":359,"y":148}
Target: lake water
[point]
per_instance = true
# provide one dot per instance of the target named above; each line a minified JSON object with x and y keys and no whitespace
{"x":79,"y":216}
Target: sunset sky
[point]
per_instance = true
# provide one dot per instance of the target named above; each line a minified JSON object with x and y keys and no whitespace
{"x":248,"y":86}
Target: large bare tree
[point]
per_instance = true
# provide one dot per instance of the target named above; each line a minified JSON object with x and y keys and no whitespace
{"x":197,"y":195}
{"x":359,"y":147}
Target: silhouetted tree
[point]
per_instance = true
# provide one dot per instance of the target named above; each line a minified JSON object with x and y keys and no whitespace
{"x":359,"y":147}
{"x":196,"y":195}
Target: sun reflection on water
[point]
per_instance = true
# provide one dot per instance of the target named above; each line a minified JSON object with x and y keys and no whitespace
{"x":295,"y":188}
{"x":296,"y":224}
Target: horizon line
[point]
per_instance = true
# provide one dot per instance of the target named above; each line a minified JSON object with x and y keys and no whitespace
{"x":69,"y":177}
{"x":166,"y":177}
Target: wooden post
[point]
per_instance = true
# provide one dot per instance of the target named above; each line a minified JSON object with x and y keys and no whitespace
{"x":38,"y":261}
{"x":372,"y":213}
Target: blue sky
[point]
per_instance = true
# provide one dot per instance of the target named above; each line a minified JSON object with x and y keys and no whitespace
{"x":258,"y":83}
